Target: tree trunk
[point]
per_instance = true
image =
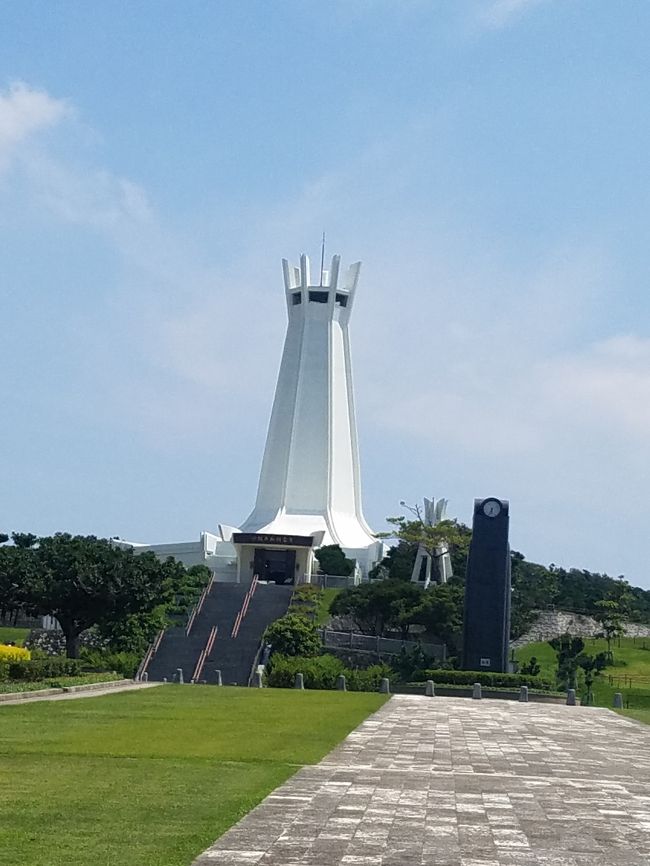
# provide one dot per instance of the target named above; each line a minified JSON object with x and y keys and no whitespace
{"x":71,"y":641}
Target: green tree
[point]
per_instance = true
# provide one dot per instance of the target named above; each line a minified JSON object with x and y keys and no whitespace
{"x":447,"y":533}
{"x":591,"y":666}
{"x":610,"y":618}
{"x":17,"y":573}
{"x":85,"y":581}
{"x":377,"y":607}
{"x":293,"y":635}
{"x":398,"y":562}
{"x":332,"y":560}
{"x":531,"y":667}
{"x":440,"y":611}
{"x":568,"y":650}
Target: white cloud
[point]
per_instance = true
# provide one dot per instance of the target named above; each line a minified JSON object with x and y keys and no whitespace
{"x":606,"y":387}
{"x":25,"y":111}
{"x":500,"y":13}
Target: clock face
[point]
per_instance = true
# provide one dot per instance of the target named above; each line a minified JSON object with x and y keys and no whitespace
{"x":491,"y":507}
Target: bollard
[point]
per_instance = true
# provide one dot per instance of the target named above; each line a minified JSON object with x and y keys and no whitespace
{"x":179,"y":672}
{"x":384,"y":686}
{"x":340,"y":683}
{"x":218,"y":676}
{"x":299,"y":682}
{"x":476,"y":693}
{"x":618,"y":701}
{"x":571,"y":698}
{"x":257,"y":680}
{"x":523,"y":694}
{"x":430,"y":689}
{"x":144,"y":678}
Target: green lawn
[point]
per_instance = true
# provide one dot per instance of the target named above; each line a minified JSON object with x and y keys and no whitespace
{"x":13,"y":635}
{"x":326,"y":599}
{"x":17,"y":686}
{"x":632,"y":658}
{"x":151,"y":778}
{"x":639,"y":715}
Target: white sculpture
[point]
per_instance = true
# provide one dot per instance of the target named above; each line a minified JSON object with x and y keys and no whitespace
{"x":434,"y":513}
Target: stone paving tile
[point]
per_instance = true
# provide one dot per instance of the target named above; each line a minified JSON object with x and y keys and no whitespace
{"x":454,"y":782}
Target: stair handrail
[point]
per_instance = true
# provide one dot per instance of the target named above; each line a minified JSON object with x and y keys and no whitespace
{"x":242,"y":613}
{"x":205,"y":652}
{"x":152,"y":649}
{"x":196,"y":610}
{"x":256,"y":660}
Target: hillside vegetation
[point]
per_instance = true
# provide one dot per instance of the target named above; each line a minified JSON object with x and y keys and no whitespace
{"x":629,"y":673}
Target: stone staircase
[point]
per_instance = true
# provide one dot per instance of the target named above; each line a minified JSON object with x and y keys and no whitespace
{"x":233,"y":656}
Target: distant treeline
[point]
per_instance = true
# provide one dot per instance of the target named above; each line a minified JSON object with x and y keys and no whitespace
{"x":538,"y":587}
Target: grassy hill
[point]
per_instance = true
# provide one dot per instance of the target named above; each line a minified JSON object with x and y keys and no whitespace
{"x":630,"y":673}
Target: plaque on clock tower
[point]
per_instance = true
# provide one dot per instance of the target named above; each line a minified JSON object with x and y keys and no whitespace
{"x":486,"y":629}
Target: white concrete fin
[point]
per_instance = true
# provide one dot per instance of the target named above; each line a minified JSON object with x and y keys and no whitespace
{"x":289,"y":277}
{"x":352,"y":276}
{"x":334,"y":272}
{"x":304,"y":270}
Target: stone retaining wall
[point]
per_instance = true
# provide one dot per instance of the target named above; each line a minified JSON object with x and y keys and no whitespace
{"x":553,"y":623}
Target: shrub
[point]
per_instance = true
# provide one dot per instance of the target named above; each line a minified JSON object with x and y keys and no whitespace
{"x":43,"y":669}
{"x":293,"y":635}
{"x":123,"y":663}
{"x":13,"y":653}
{"x":368,"y":679}
{"x":485,"y":678}
{"x":321,"y":672}
{"x":306,"y":600}
{"x":51,"y":642}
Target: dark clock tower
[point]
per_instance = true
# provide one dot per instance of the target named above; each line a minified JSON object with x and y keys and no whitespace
{"x":486,"y":630}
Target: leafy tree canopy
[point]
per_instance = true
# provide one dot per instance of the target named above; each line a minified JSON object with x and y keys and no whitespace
{"x":332,"y":560}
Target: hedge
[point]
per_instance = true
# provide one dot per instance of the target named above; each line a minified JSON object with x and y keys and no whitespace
{"x":321,"y":672}
{"x":43,"y":669}
{"x":13,"y":653}
{"x":485,"y":678}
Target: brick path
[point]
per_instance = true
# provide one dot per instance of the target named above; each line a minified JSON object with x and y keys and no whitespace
{"x":456,"y":782}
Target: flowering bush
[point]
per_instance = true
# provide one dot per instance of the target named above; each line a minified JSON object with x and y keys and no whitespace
{"x":52,"y":642}
{"x":14,"y":654}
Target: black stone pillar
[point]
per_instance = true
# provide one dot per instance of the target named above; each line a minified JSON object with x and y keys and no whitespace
{"x":486,"y":629}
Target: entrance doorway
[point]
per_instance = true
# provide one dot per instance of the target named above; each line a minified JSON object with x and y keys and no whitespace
{"x":275,"y":565}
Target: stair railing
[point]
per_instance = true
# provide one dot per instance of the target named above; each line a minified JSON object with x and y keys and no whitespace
{"x":244,"y":607}
{"x":152,"y":649}
{"x":205,"y":652}
{"x":259,"y":656}
{"x":196,"y":610}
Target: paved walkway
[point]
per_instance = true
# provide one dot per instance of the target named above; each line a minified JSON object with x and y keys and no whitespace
{"x":456,"y":782}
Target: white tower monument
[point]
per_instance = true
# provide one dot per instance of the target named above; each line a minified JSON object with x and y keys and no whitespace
{"x":310,"y":481}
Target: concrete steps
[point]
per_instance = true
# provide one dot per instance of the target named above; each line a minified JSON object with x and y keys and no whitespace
{"x":234,"y":657}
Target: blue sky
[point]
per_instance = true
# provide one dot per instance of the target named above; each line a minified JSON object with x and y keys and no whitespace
{"x":488,"y":162}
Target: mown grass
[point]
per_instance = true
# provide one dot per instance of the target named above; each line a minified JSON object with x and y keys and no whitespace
{"x":19,"y":686}
{"x":13,"y":635}
{"x":326,"y":599}
{"x":631,"y":658}
{"x":639,"y":715}
{"x":151,"y":778}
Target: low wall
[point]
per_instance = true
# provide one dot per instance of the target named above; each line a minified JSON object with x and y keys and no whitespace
{"x":495,"y":694}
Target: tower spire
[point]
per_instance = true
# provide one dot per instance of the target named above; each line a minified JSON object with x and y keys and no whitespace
{"x":322,"y":259}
